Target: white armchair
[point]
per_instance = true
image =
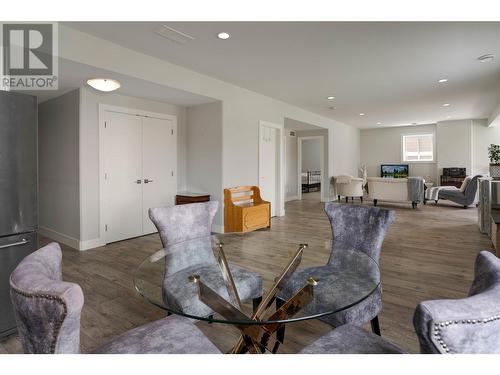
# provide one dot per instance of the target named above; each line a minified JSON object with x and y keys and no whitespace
{"x":349,"y":187}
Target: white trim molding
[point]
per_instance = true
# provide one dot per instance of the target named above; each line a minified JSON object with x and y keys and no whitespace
{"x":281,"y":154}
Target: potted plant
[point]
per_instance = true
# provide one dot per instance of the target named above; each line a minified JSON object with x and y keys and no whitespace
{"x":494,"y":155}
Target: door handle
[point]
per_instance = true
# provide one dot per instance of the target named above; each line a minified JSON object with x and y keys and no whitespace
{"x":24,"y":241}
{"x":146,"y":181}
{"x":138,"y":181}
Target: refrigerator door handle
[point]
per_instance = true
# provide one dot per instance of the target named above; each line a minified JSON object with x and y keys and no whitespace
{"x":24,"y":241}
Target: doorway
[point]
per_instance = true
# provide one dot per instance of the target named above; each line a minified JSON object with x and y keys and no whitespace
{"x":271,"y":147}
{"x":310,"y":167}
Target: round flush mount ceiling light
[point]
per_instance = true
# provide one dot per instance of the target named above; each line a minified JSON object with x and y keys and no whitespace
{"x":330,"y":97}
{"x":104,"y":84}
{"x":486,"y":58}
{"x":446,"y":104}
{"x":223,"y":36}
{"x":442,"y":80}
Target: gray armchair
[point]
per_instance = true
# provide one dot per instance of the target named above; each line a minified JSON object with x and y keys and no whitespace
{"x":360,"y":228}
{"x":48,"y":310}
{"x":468,"y":325}
{"x":194,"y":222}
{"x":461,"y":326}
{"x":464,"y":197}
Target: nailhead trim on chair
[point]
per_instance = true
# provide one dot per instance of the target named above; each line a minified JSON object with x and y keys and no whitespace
{"x":59,"y":324}
{"x":439,"y":325}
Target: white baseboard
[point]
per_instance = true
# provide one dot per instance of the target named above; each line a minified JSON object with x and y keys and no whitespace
{"x":71,"y":241}
{"x":217,"y":228}
{"x":91,"y":244}
{"x":59,"y":237}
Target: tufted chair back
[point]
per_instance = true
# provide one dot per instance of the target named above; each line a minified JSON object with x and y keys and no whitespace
{"x":358,"y":227}
{"x":184,"y":222}
{"x":469,"y":325}
{"x":47,"y":309}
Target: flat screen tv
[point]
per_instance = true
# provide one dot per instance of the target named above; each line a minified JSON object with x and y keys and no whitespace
{"x":394,"y":170}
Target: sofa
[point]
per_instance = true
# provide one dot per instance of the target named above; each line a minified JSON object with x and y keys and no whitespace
{"x":409,"y":189}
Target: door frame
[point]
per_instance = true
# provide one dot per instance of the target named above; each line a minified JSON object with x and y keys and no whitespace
{"x":103,"y":108}
{"x":299,"y":163}
{"x":280,"y":157}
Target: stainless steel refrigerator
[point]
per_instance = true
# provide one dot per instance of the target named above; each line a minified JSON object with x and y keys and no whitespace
{"x":18,"y":192}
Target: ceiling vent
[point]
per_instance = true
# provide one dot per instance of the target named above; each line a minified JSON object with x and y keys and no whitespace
{"x":174,"y":35}
{"x":292,"y":133}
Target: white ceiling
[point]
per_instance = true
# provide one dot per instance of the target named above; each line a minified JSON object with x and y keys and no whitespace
{"x":387,"y":70}
{"x":73,"y":75}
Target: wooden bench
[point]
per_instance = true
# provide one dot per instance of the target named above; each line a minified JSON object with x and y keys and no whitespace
{"x":244,"y":210}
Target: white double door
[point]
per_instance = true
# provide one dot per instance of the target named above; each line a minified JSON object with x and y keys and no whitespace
{"x":139,"y":171}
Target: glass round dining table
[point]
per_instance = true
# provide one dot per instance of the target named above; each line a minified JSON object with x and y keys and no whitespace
{"x":289,"y":280}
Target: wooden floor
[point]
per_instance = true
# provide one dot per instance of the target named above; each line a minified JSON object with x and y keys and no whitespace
{"x":428,"y":253}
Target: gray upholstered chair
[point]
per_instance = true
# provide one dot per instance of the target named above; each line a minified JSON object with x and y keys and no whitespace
{"x":460,"y":326}
{"x":359,"y":228}
{"x":193,"y":222}
{"x":469,"y":325}
{"x":351,"y":339}
{"x":465,"y":196}
{"x":48,"y":310}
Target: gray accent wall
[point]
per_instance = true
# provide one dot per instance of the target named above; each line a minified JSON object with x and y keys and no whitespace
{"x":58,"y":165}
{"x":204,"y":154}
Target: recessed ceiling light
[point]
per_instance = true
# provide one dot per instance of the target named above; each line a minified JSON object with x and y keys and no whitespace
{"x":331,"y":97}
{"x":446,"y":104}
{"x":223,"y":36}
{"x":486,"y":58}
{"x":104,"y":84}
{"x":442,"y":80}
{"x":361,"y":114}
{"x":379,"y":123}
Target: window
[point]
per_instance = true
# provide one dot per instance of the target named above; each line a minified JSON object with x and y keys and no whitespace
{"x":418,"y":147}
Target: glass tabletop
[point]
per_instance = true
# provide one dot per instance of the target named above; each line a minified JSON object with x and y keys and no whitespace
{"x":209,"y":278}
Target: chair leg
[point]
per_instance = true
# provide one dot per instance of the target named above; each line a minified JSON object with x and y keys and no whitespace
{"x":280,"y":333}
{"x":375,"y":326}
{"x":256,"y":302}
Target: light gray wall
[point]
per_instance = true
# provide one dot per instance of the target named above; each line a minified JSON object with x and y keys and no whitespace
{"x":241,"y":113}
{"x":454,"y":144}
{"x":383,"y":146}
{"x":89,"y":149}
{"x":311,"y":155}
{"x":291,"y":178}
{"x":58,"y":150}
{"x":482,"y":137}
{"x":204,"y":154}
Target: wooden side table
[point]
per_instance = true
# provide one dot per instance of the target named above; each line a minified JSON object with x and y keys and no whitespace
{"x":186,"y":197}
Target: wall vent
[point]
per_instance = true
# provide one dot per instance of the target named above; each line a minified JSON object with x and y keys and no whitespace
{"x":292,"y":133}
{"x":174,"y":35}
